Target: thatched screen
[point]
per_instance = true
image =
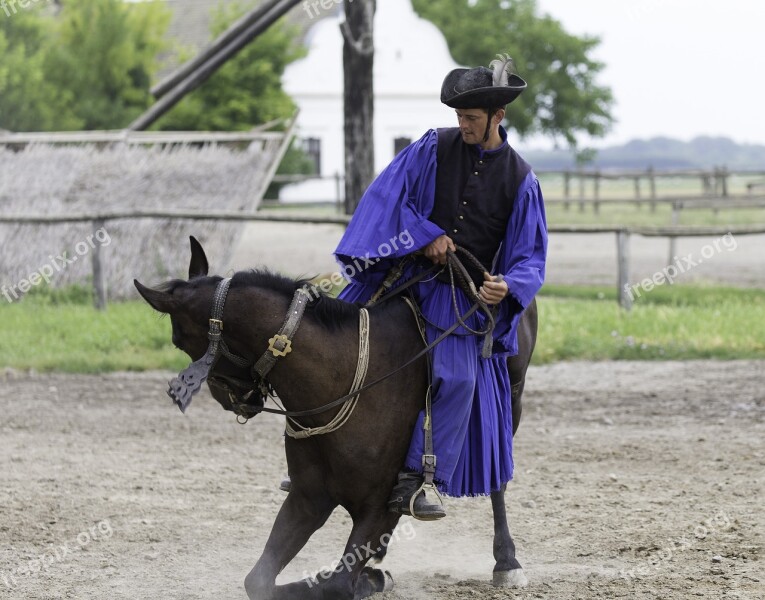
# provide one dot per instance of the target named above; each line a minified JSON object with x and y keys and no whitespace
{"x":42,"y":179}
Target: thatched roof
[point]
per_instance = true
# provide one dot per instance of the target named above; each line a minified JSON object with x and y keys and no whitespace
{"x":44,"y":179}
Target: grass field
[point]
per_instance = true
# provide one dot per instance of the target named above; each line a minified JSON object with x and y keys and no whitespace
{"x":59,"y":331}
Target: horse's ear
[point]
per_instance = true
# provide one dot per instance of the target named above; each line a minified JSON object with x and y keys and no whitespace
{"x":161,"y":301}
{"x":198,"y":266}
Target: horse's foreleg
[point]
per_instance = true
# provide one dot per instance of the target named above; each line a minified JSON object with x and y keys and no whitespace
{"x":299,"y":517}
{"x":352,"y":579}
{"x":507,"y":570}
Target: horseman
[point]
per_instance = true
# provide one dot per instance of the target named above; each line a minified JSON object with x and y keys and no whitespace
{"x":458,"y":187}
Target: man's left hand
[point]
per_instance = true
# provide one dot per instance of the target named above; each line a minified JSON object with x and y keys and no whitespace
{"x":494,"y":289}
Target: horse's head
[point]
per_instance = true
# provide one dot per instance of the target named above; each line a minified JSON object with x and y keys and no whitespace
{"x":189,"y":305}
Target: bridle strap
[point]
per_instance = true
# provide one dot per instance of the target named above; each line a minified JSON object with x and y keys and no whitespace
{"x":281,"y":344}
{"x":190,"y":380}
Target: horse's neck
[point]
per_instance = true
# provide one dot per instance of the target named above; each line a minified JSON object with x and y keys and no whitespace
{"x":320,"y":367}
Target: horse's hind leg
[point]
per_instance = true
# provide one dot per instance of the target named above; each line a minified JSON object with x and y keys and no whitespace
{"x":507,"y":571}
{"x":299,"y":517}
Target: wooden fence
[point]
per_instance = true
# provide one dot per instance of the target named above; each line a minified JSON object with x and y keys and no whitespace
{"x":622,"y":234}
{"x":714,"y":191}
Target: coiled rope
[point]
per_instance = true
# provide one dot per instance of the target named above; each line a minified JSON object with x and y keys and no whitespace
{"x":297,"y":431}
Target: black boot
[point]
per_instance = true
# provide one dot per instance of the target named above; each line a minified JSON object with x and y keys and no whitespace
{"x":426,"y":507}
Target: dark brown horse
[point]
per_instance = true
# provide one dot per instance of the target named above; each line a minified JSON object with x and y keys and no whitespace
{"x":354,"y":467}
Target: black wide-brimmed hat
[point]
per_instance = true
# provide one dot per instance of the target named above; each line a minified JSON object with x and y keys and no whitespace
{"x":481,"y":87}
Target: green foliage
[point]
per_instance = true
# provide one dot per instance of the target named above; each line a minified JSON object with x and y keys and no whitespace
{"x":29,"y":101}
{"x":563,"y":99}
{"x":295,"y":162}
{"x":105,"y":54}
{"x":88,"y":67}
{"x":247,"y":90}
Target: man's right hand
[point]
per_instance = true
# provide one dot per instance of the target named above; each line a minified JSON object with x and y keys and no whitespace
{"x":436,"y":250}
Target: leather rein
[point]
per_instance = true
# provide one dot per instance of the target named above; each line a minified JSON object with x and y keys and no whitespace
{"x":190,"y":380}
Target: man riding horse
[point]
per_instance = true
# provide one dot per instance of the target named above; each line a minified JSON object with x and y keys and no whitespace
{"x":458,"y":187}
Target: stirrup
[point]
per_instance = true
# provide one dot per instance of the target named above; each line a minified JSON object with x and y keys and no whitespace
{"x":423,"y":490}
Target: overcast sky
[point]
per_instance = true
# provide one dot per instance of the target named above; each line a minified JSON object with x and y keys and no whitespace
{"x":679,"y":68}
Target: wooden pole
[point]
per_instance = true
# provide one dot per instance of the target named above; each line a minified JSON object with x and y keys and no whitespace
{"x":99,"y":274}
{"x":339,"y":192}
{"x":624,"y":293}
{"x":567,"y":190}
{"x":204,"y":72}
{"x":596,"y":193}
{"x":358,"y":64}
{"x":676,"y":206}
{"x":228,"y":36}
{"x":724,"y":174}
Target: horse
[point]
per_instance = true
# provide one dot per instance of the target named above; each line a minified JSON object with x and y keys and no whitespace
{"x":355,"y":466}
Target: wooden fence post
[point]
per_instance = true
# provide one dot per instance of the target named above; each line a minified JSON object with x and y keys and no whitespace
{"x":676,"y":206}
{"x":596,"y":193}
{"x":566,"y":190}
{"x":99,"y":274}
{"x":623,"y":260}
{"x":339,"y":189}
{"x":652,"y":184}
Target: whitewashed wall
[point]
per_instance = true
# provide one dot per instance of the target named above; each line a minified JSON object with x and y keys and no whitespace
{"x":411,"y":60}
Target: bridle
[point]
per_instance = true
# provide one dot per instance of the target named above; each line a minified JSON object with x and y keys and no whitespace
{"x":247,"y":398}
{"x":257,"y":389}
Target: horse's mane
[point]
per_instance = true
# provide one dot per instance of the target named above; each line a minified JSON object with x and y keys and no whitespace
{"x":330,"y":312}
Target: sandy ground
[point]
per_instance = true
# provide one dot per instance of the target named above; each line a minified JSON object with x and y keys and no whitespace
{"x":633,"y":480}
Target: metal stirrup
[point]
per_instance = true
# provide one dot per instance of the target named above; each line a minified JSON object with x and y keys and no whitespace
{"x":428,"y":459}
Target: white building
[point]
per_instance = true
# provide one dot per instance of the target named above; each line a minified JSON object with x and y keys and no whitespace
{"x":411,"y":61}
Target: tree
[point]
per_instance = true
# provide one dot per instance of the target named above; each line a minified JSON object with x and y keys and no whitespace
{"x":563,"y":99}
{"x":104,"y":52}
{"x":358,"y":63}
{"x":28,"y":100}
{"x":247,"y":90}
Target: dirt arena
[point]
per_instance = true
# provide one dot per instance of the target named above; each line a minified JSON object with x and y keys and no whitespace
{"x":633,"y":480}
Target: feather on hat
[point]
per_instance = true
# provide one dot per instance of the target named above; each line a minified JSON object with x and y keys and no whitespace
{"x":481,"y":87}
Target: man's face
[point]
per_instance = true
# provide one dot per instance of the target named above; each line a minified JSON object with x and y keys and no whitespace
{"x":472,"y":124}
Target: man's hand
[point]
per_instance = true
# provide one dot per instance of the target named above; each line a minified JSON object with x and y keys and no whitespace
{"x":436,"y":250}
{"x":494,"y":289}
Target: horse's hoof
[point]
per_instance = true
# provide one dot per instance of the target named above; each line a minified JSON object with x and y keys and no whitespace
{"x":515,"y":578}
{"x":372,"y":581}
{"x":388,"y":585}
